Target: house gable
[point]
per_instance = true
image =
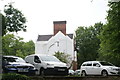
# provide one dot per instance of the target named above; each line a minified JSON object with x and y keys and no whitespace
{"x":47,"y":37}
{"x":59,"y":35}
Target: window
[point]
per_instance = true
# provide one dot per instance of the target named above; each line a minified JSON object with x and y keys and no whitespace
{"x":36,"y":59}
{"x":96,"y":64}
{"x":84,"y":65}
{"x":49,"y":58}
{"x":89,"y":64}
{"x":13,"y":59}
{"x":106,"y":64}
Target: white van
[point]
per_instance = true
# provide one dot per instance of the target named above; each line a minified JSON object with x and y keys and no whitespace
{"x":47,"y":65}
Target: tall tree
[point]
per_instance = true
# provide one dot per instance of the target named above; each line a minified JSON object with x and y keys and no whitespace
{"x":14,"y":45}
{"x":14,"y":20}
{"x":10,"y":44}
{"x":110,"y":35}
{"x":87,"y":42}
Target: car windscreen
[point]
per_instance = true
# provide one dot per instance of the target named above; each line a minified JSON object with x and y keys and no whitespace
{"x":106,"y":64}
{"x":49,"y":58}
{"x":11,"y":59}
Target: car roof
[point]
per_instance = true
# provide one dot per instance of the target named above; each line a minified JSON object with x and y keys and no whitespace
{"x":39,"y":55}
{"x":92,"y":61}
{"x":11,"y":56}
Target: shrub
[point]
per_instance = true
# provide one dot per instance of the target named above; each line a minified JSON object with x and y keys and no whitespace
{"x":14,"y":76}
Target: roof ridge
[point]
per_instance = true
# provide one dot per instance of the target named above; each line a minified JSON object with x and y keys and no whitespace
{"x":47,"y":37}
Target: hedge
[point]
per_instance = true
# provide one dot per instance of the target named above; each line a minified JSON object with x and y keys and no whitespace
{"x":14,"y":76}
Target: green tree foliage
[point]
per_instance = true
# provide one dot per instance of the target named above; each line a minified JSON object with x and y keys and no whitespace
{"x":110,"y":35}
{"x":14,"y":45}
{"x":87,"y":42}
{"x":62,"y":56}
{"x":14,"y":20}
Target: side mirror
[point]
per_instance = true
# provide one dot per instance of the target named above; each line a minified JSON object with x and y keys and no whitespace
{"x":37,"y":61}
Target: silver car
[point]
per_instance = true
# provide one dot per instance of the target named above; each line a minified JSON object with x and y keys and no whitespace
{"x":99,"y":68}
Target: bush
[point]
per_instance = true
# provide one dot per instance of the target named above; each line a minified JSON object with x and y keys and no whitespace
{"x":14,"y":76}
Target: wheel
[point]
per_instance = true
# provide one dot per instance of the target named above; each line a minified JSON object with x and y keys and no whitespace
{"x":104,"y":73}
{"x":37,"y":72}
{"x":83,"y":73}
{"x":42,"y":72}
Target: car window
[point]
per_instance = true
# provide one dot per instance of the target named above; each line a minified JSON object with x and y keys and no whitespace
{"x":49,"y":58}
{"x":106,"y":64}
{"x":19,"y":60}
{"x":9,"y":59}
{"x":12,"y":59}
{"x":96,"y":64}
{"x":89,"y":64}
{"x":36,"y":59}
{"x":83,"y":64}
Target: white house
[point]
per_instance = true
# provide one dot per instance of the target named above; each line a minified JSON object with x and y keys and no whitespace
{"x":59,"y":41}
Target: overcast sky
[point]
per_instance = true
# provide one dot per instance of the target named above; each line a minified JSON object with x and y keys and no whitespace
{"x":40,"y":14}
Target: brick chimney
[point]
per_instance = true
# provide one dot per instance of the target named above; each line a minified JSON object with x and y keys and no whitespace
{"x":59,"y":26}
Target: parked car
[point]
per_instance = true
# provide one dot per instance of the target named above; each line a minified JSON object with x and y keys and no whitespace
{"x":99,"y":68}
{"x":47,"y":65}
{"x":14,"y":64}
{"x":77,"y":72}
{"x":71,"y":72}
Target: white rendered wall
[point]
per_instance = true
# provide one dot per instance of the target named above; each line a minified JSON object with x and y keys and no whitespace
{"x":59,"y":42}
{"x":40,"y":47}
